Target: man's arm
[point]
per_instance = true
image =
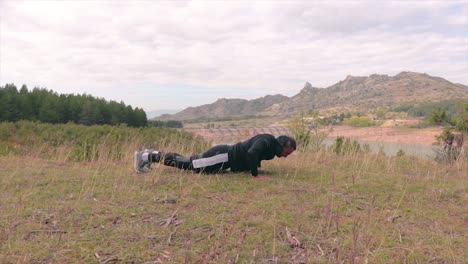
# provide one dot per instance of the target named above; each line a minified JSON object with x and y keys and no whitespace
{"x":253,"y":155}
{"x":262,"y":177}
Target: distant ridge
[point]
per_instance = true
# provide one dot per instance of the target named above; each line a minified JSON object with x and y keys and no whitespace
{"x":354,"y":92}
{"x":155,"y":113}
{"x":227,"y":107}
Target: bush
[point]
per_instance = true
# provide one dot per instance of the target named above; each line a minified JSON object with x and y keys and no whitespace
{"x":359,"y":121}
{"x":452,"y":139}
{"x":451,"y":144}
{"x":301,"y":130}
{"x":307,"y":132}
{"x":380,"y":113}
{"x":346,"y":146}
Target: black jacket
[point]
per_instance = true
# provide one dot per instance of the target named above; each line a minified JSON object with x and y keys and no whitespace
{"x":247,"y":155}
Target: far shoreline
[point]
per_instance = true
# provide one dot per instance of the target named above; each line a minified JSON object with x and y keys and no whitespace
{"x":401,"y":135}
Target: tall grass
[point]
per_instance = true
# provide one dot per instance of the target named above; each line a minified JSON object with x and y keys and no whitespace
{"x":72,"y":142}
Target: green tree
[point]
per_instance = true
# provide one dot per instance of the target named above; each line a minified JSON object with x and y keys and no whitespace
{"x":130,"y":117}
{"x":25,"y":104}
{"x":87,"y":114}
{"x":47,"y":106}
{"x":9,"y":102}
{"x":438,"y":117}
{"x":74,"y":108}
{"x":48,"y":112}
{"x":140,"y":117}
{"x":461,"y":120}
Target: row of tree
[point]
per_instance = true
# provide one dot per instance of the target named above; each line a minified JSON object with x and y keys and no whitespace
{"x":47,"y":106}
{"x":168,"y":123}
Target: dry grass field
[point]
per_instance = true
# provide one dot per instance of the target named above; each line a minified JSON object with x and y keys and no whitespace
{"x":317,"y":208}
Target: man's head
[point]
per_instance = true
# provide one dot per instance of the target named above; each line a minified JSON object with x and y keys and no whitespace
{"x":288,"y":145}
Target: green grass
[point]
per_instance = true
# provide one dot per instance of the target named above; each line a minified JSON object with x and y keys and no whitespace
{"x":72,"y":142}
{"x":342,"y":208}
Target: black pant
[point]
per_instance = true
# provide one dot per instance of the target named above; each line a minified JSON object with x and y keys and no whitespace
{"x":176,"y":160}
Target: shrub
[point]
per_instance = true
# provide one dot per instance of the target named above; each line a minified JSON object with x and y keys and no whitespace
{"x":346,"y":146}
{"x":359,"y":121}
{"x":307,"y":131}
{"x":451,"y":144}
{"x":300,"y":130}
{"x":380,"y":113}
{"x":452,"y":138}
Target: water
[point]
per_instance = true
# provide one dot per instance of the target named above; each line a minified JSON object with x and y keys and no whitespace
{"x":392,"y":148}
{"x":389,"y":148}
{"x":233,"y":135}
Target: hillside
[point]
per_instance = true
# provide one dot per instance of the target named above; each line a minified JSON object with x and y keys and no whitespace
{"x":375,"y":91}
{"x":228,"y":107}
{"x":352,"y":93}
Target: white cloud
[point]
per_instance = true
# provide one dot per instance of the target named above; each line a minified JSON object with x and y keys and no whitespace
{"x":150,"y":53}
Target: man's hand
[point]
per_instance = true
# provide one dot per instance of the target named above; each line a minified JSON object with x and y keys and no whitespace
{"x":262,"y":177}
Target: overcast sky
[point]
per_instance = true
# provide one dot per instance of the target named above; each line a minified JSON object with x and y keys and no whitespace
{"x":171,"y":55}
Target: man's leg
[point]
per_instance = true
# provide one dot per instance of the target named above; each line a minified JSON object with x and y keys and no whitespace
{"x":213,"y":160}
{"x":141,"y":160}
{"x":172,"y":159}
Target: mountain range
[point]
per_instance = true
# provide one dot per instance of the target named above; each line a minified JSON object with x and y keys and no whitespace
{"x":155,"y":113}
{"x":352,"y":93}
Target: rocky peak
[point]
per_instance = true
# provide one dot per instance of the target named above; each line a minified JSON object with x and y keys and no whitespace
{"x":308,"y":88}
{"x":408,"y":74}
{"x":379,"y":77}
{"x":350,"y":82}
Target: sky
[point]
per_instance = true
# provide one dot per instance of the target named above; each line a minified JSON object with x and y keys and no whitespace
{"x":172,"y":55}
